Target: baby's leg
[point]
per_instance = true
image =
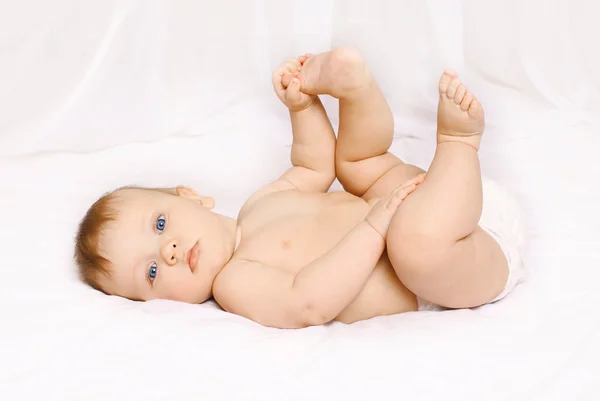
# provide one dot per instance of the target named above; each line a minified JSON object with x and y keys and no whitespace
{"x":366,"y":123}
{"x":435,"y":244}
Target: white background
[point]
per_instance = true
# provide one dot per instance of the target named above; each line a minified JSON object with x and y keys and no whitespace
{"x":98,"y":94}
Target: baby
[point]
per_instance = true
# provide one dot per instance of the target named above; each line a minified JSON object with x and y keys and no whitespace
{"x":396,"y":240}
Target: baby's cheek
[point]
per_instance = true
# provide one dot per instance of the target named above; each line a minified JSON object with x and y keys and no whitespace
{"x":185,"y":290}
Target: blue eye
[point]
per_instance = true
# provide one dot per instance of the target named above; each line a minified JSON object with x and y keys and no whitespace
{"x":152,"y":272}
{"x":161,"y":223}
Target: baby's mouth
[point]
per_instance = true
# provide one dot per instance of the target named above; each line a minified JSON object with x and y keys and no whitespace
{"x":192,"y":256}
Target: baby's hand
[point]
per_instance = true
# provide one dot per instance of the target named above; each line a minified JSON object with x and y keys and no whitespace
{"x":287,"y":86}
{"x":382,"y":213}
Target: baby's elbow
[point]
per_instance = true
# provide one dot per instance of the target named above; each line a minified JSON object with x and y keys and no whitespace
{"x":294,"y":320}
{"x":302,"y":315}
{"x":298,"y":316}
{"x":312,"y":315}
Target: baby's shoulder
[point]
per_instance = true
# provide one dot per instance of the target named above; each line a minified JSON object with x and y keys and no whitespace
{"x":226,"y":281}
{"x":262,"y":194}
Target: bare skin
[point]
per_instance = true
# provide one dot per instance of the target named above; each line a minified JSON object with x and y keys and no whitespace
{"x":303,"y":256}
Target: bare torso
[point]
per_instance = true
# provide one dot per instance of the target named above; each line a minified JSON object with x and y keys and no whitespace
{"x":290,"y":229}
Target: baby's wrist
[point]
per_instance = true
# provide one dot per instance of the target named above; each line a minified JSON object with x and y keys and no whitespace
{"x":372,"y":228}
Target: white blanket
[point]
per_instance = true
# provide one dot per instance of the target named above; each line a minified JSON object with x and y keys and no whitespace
{"x":107,"y":93}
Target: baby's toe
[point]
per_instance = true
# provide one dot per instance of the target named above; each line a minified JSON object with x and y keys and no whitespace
{"x":447,"y":77}
{"x":453,"y":87}
{"x":466,"y":102}
{"x":460,"y":94}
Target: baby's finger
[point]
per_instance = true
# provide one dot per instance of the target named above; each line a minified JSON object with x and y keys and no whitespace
{"x":292,"y":94}
{"x":398,"y":195}
{"x":302,"y":59}
{"x":276,"y":80}
{"x":410,"y":186}
{"x":417,"y":179}
{"x":279,"y":90}
{"x":287,"y":78}
{"x":305,"y":57}
{"x":289,"y":66}
{"x":292,"y":66}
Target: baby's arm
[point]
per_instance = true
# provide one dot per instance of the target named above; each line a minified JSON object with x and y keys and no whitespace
{"x":313,"y":148}
{"x":276,"y":297}
{"x":320,"y":290}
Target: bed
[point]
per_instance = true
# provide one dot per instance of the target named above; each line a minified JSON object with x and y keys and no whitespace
{"x":102,"y":94}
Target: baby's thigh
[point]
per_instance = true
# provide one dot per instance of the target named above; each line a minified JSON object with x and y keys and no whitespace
{"x":464,"y":274}
{"x":395,"y":177}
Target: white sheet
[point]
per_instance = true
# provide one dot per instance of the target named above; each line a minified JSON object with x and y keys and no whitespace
{"x":63,"y":341}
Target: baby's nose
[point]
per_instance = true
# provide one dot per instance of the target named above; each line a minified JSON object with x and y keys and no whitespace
{"x":169,"y":252}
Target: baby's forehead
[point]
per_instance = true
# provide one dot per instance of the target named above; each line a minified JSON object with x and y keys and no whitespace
{"x":127,"y":196}
{"x":131,"y":206}
{"x":128,"y":202}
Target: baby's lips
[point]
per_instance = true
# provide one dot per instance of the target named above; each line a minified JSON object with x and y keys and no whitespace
{"x":192,"y":257}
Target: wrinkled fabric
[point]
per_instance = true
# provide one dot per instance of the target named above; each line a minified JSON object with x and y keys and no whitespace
{"x":96,"y":95}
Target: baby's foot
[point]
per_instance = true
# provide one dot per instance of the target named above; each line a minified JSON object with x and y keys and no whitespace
{"x":337,"y":73}
{"x":460,"y":115}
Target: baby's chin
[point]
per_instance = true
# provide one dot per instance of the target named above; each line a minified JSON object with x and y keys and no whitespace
{"x":189,"y":296}
{"x":196,"y":300}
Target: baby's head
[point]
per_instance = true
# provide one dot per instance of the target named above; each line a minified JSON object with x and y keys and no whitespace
{"x":145,"y":244}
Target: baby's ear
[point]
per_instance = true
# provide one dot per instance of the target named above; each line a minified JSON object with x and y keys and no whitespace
{"x":189,"y":193}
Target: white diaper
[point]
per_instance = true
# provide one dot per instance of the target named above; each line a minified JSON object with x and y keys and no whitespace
{"x":501,"y":218}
